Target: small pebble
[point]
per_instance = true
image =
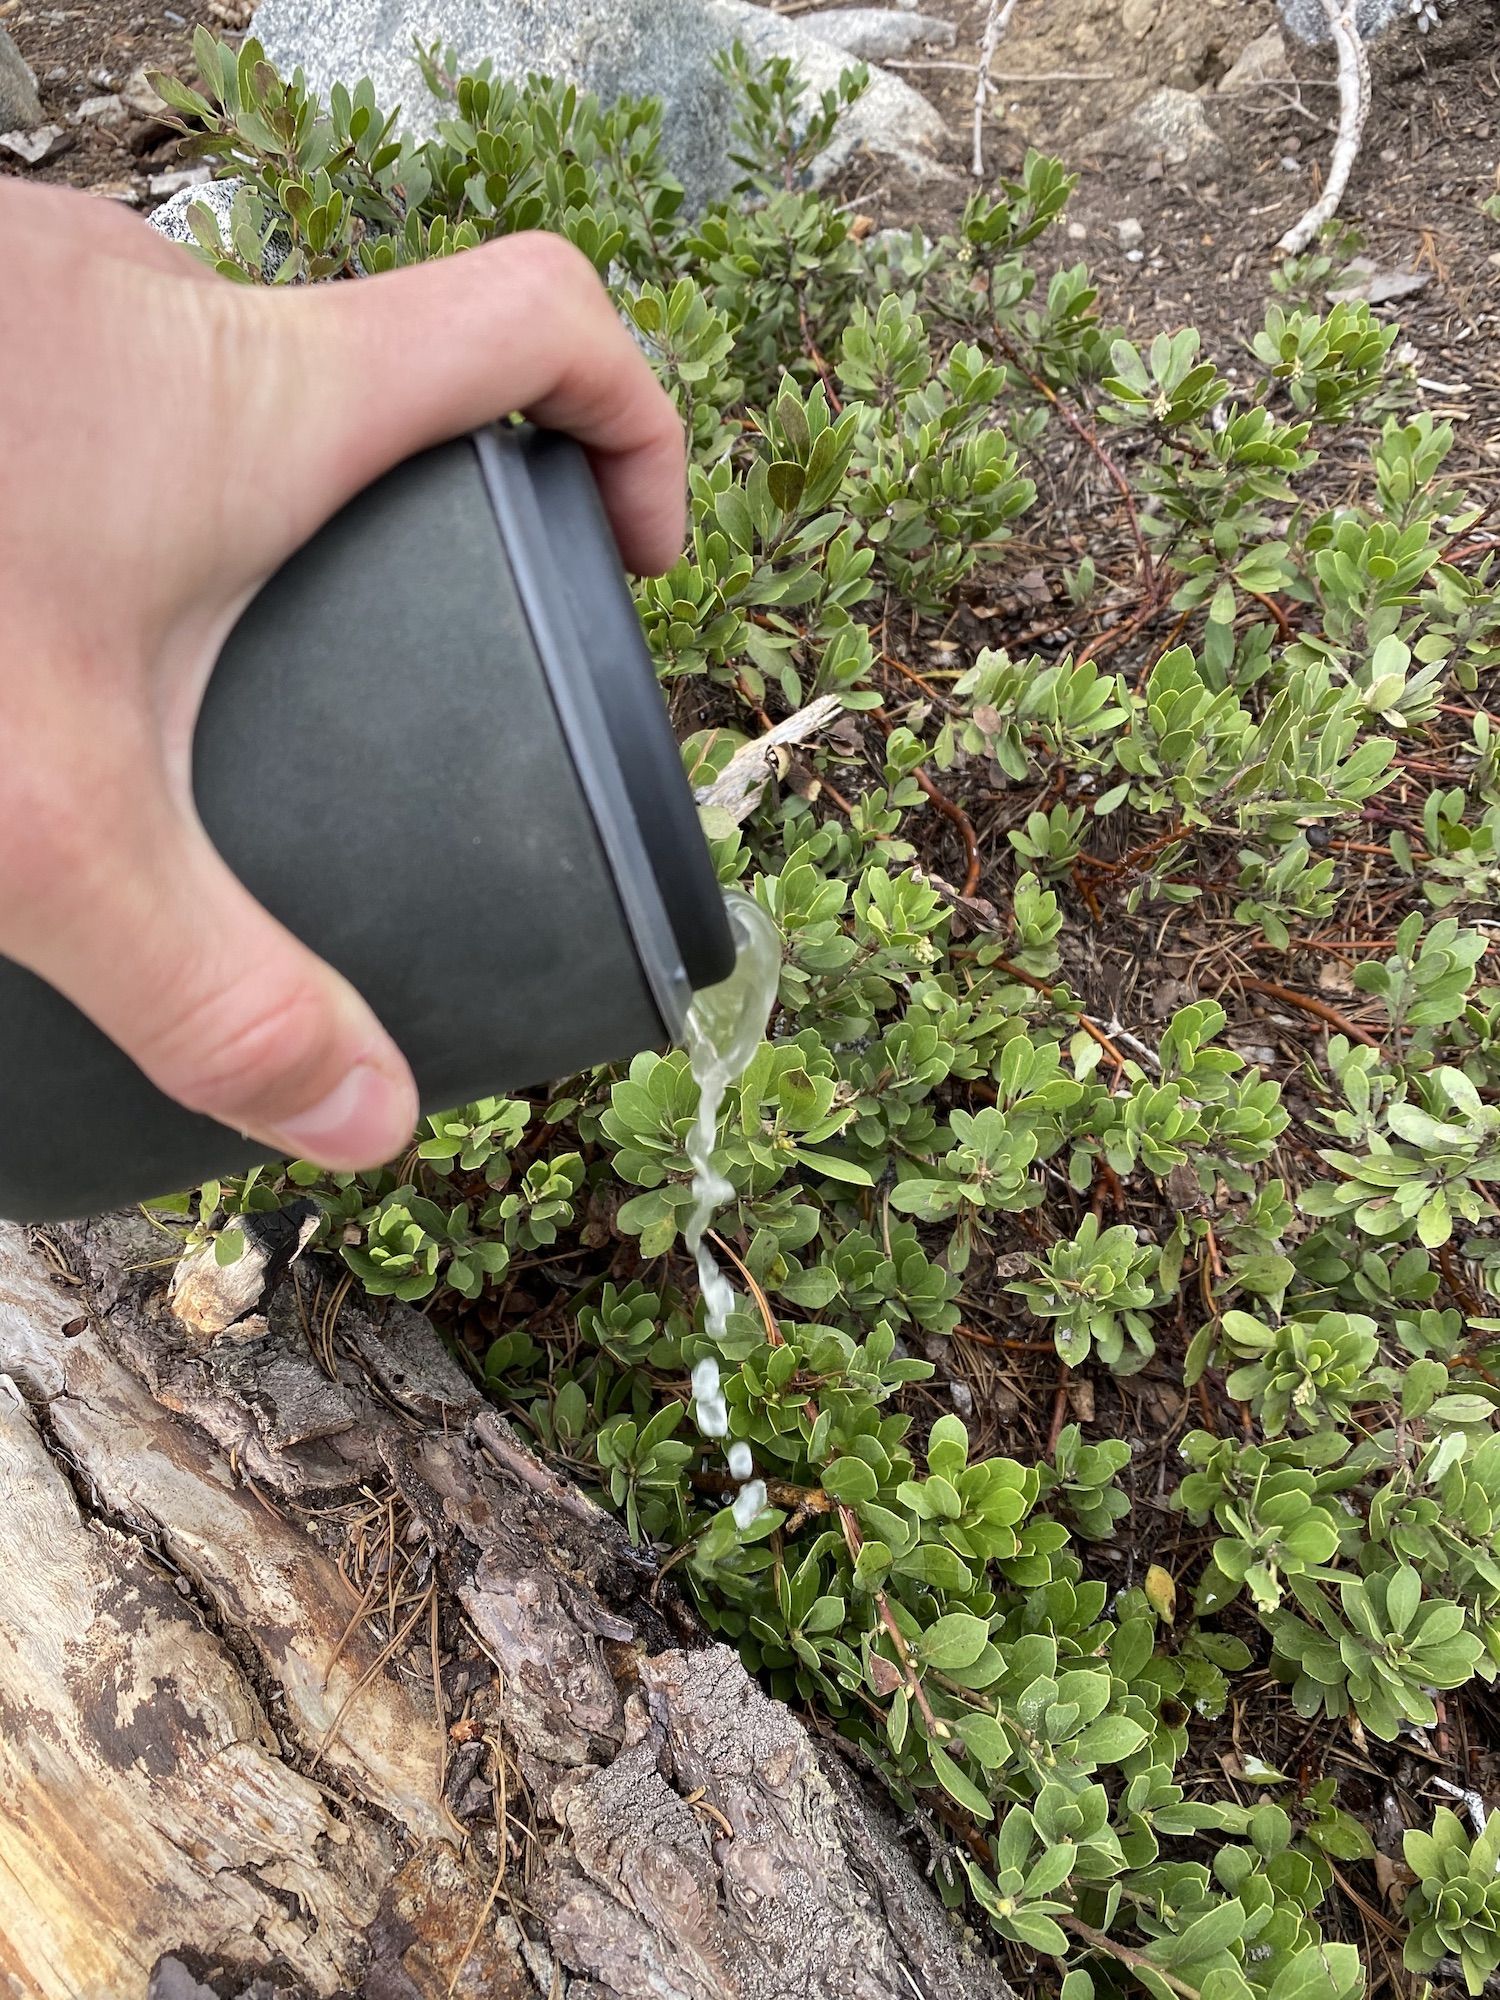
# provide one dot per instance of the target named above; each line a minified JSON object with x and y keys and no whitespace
{"x":1130,"y":232}
{"x":176,"y":178}
{"x":741,"y":1459}
{"x":962,"y":1398}
{"x":1135,"y":256}
{"x":1289,"y":165}
{"x":748,"y":1504}
{"x":1077,"y":232}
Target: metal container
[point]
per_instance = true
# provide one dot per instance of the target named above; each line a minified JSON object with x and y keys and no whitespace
{"x":435,"y":748}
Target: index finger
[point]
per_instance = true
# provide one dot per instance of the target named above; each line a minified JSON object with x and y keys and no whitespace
{"x":523,"y":324}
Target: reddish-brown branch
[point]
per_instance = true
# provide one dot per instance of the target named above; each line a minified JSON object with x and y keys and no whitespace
{"x":959,"y":818}
{"x":1090,"y":439}
{"x":854,"y":1541}
{"x":1040,"y":986}
{"x":1284,"y":628}
{"x":1309,"y":1006}
{"x":1059,"y":1406}
{"x":966,"y":1332}
{"x":1453,"y":1278}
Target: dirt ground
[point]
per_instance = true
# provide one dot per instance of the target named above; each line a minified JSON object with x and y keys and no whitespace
{"x":1067,"y":69}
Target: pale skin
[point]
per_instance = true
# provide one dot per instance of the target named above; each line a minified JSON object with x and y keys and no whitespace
{"x":167,"y":439}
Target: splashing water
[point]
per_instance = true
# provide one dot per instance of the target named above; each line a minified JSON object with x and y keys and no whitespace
{"x":724,"y":1028}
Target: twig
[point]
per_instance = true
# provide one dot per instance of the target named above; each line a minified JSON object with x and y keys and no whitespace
{"x":1006,"y":75}
{"x":1089,"y":437}
{"x":741,"y":784}
{"x":1059,"y":1406}
{"x":951,"y":812}
{"x":960,"y":819}
{"x":996,"y":22}
{"x":1090,"y":1028}
{"x":763,"y":1304}
{"x":1310,"y":1006}
{"x":500,"y":1790}
{"x":854,"y":1542}
{"x":1354,"y":109}
{"x":1126,"y":1956}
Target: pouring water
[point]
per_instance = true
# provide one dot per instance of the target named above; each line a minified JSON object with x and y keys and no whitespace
{"x":724,"y":1028}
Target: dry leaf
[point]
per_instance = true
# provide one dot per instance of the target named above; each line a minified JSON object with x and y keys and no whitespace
{"x":1363,"y":282}
{"x":979,"y":913}
{"x":1161,"y":1593}
{"x":885,"y":1675}
{"x":1392,"y":1878}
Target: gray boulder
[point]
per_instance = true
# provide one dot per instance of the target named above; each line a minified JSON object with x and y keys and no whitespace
{"x":875,"y":34}
{"x":1308,"y":22}
{"x":658,"y":48}
{"x":1262,"y":61}
{"x":1171,"y":126}
{"x":171,"y":219}
{"x":20,"y":107}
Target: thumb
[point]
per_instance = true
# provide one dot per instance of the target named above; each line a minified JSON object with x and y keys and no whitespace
{"x":213,"y":999}
{"x":521,"y":324}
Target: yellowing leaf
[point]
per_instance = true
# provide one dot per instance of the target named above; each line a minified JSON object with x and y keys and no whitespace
{"x":1161,"y":1592}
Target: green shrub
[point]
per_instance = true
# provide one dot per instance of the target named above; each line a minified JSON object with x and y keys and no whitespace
{"x":1454,"y":1911}
{"x":938,"y":1123}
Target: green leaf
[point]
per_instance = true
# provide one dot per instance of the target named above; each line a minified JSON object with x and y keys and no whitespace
{"x":1204,"y":1939}
{"x":1040,"y":1932}
{"x":955,"y":1640}
{"x":849,"y":1480}
{"x":1108,"y":1741}
{"x":833,"y":1167}
{"x":956,"y":1785}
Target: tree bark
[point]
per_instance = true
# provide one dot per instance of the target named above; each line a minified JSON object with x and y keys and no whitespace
{"x":314,"y":1682}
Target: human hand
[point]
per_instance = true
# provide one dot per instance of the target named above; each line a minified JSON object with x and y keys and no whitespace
{"x":167,"y":439}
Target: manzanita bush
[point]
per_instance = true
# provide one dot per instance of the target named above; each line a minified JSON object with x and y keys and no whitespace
{"x":935,"y":1121}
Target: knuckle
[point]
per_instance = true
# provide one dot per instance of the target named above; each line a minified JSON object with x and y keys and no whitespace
{"x":553,"y":264}
{"x":255,"y":1054}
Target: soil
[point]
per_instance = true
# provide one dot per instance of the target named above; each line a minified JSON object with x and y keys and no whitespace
{"x":1066,"y":70}
{"x":1167,"y":247}
{"x":84,"y":53}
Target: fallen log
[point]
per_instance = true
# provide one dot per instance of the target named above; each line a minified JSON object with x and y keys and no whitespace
{"x":315,"y":1683}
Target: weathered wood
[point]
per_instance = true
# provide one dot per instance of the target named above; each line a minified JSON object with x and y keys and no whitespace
{"x":219,"y":1780}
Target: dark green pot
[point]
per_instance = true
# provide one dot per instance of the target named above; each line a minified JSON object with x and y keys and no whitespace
{"x":435,"y":748}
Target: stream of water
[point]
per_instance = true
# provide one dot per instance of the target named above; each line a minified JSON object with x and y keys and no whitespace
{"x":725,"y":1025}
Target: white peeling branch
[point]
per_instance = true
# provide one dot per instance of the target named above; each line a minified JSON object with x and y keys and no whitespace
{"x":741,"y":784}
{"x":1354,"y":109}
{"x":996,"y":22}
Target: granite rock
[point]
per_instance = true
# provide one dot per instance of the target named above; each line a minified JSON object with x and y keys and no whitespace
{"x":171,"y":219}
{"x":1262,"y":61}
{"x":876,"y":34}
{"x":1308,"y":22}
{"x":1169,"y":125}
{"x":658,"y":48}
{"x":20,"y":107}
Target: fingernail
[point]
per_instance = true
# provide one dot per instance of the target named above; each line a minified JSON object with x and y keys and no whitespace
{"x":364,"y":1120}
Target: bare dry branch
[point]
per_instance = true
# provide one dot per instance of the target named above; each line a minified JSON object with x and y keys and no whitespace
{"x":741,"y":784}
{"x":1354,"y":109}
{"x":996,"y":22}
